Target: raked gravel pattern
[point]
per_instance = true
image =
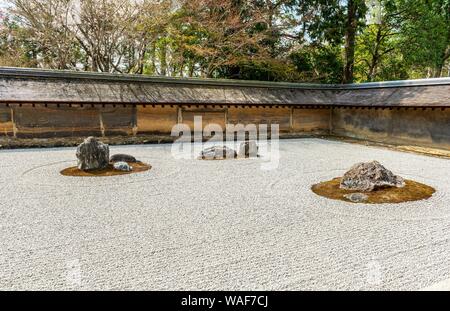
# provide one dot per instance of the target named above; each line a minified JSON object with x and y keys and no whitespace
{"x":218,"y":225}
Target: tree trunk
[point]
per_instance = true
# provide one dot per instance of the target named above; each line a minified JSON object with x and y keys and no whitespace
{"x":191,"y":69}
{"x":163,"y":59}
{"x":438,"y":70}
{"x":350,"y":35}
{"x":440,"y":67}
{"x":375,"y":56}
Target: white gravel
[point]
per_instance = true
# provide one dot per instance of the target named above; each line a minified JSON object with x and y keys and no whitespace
{"x":218,"y":225}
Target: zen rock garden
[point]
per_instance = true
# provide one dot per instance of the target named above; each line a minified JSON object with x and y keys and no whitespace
{"x":112,"y":223}
{"x":94,"y":160}
{"x":372,"y":183}
{"x":369,"y":183}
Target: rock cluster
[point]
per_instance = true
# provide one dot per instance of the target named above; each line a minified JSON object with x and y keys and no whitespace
{"x":247,"y":149}
{"x":370,"y":176}
{"x":218,"y":153}
{"x":92,"y":155}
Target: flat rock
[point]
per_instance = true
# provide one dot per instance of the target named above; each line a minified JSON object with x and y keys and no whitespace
{"x":248,"y":149}
{"x":92,"y":154}
{"x":218,"y":153}
{"x":122,"y":166}
{"x":123,"y":158}
{"x":356,"y":197}
{"x":370,"y":176}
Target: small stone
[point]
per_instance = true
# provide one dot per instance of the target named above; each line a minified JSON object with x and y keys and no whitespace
{"x":218,"y":153}
{"x":122,"y":166}
{"x":248,"y":149}
{"x":123,"y":158}
{"x":356,"y":197}
{"x":370,"y":176}
{"x":92,"y":155}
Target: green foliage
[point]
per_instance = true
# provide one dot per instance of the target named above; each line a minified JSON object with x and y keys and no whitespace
{"x":322,"y":21}
{"x":272,"y":40}
{"x":16,"y":50}
{"x":268,"y":70}
{"x":425,"y":35}
{"x":319,"y":63}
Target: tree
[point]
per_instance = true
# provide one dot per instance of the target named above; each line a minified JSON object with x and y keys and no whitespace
{"x":321,"y":21}
{"x":425,"y":35}
{"x":321,"y":64}
{"x":227,"y":33}
{"x":333,"y":22}
{"x":330,"y":41}
{"x":97,"y":35}
{"x":356,"y":10}
{"x":378,"y":41}
{"x":42,"y":19}
{"x":16,"y":50}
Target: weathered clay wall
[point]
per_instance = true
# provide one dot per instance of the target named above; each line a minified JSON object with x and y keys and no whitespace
{"x":155,"y":120}
{"x":422,"y":127}
{"x":428,"y":127}
{"x":6,"y":124}
{"x":38,"y":121}
{"x":311,"y":120}
{"x":257,"y":116}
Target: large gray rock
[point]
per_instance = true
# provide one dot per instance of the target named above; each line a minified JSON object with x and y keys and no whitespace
{"x":248,"y":149}
{"x":92,"y":154}
{"x":370,"y":176}
{"x":218,"y":153}
{"x":123,"y":158}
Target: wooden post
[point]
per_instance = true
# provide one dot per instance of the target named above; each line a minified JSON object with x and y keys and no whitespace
{"x":330,"y":125}
{"x":134,"y":118}
{"x":180,"y":114}
{"x":13,"y":123}
{"x":102,"y":127}
{"x":291,"y":120}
